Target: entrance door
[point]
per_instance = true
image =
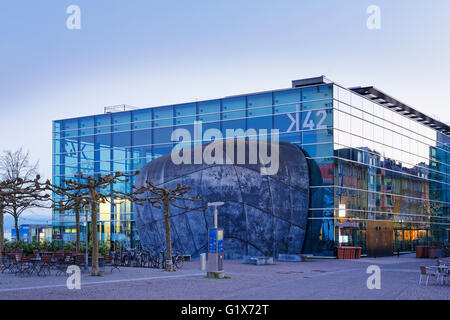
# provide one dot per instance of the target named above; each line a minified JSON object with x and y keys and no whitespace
{"x":379,"y":238}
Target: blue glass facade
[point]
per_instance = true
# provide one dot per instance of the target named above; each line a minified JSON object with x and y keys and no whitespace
{"x":377,"y":164}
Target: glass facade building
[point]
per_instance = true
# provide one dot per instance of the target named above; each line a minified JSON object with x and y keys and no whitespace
{"x":33,"y":232}
{"x":377,"y":168}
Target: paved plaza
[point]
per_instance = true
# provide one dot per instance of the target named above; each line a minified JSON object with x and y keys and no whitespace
{"x":315,"y":279}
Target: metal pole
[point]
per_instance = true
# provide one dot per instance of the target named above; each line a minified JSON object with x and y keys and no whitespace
{"x":86,"y":239}
{"x":215,"y":217}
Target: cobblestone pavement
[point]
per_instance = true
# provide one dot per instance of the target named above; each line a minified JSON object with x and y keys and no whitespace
{"x":316,"y":279}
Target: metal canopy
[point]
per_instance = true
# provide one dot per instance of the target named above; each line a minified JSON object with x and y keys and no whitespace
{"x":387,"y":101}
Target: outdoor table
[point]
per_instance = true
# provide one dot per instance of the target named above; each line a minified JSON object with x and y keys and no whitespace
{"x":444,"y":270}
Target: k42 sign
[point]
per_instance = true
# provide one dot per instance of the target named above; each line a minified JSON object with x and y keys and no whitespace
{"x":308,"y":120}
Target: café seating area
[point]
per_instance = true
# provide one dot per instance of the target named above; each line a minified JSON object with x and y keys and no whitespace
{"x":45,"y":263}
{"x":438,"y":274}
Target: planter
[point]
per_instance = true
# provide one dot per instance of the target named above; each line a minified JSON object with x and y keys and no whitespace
{"x":349,"y":252}
{"x":421,"y":252}
{"x":433,"y":252}
{"x":358,"y":252}
{"x":340,"y":253}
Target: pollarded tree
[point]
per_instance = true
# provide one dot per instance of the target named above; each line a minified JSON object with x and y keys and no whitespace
{"x":92,"y":190}
{"x":2,"y":208}
{"x":165,"y":197}
{"x":19,"y":194}
{"x":69,"y":201}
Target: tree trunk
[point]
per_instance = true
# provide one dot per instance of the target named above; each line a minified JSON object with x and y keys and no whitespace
{"x":94,"y":238}
{"x":1,"y":236}
{"x":16,"y":226}
{"x":77,"y":222}
{"x":169,"y":266}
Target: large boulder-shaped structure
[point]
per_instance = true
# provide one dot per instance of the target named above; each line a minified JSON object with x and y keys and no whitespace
{"x":263,"y":214}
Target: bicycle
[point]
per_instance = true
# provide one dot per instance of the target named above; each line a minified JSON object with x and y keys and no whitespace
{"x":177,"y":259}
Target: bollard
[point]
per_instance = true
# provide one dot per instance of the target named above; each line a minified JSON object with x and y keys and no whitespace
{"x":203,"y":261}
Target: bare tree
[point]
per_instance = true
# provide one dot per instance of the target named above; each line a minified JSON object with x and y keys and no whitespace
{"x":18,"y":171}
{"x":92,"y":190}
{"x":165,"y":197}
{"x":17,"y":164}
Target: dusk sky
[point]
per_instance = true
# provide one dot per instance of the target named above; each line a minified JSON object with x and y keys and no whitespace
{"x":150,"y":53}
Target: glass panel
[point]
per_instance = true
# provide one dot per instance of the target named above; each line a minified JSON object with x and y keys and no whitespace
{"x":209,"y":110}
{"x":70,"y":145}
{"x":105,"y":155}
{"x":57,"y":126}
{"x":163,"y":116}
{"x":103,"y":141}
{"x":183,"y":111}
{"x":286,"y":101}
{"x":160,"y":150}
{"x":70,"y":124}
{"x":317,"y":136}
{"x":122,"y":139}
{"x":317,"y":105}
{"x":317,"y":92}
{"x":86,"y":126}
{"x":260,"y":123}
{"x":121,"y":121}
{"x":103,"y":123}
{"x":86,"y":143}
{"x":319,"y":150}
{"x":142,"y":137}
{"x":142,"y":118}
{"x":229,"y":104}
{"x":162,"y":135}
{"x":255,"y":104}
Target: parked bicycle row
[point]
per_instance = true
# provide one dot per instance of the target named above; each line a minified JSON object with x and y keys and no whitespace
{"x":147,"y":258}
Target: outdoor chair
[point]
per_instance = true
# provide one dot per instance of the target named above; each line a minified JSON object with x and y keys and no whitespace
{"x":58,"y":257}
{"x":80,"y":261}
{"x":110,"y":262}
{"x":45,"y":265}
{"x":12,"y":263}
{"x":23,"y":265}
{"x":7,"y":262}
{"x":62,"y":264}
{"x":426,"y":272}
{"x":14,"y":259}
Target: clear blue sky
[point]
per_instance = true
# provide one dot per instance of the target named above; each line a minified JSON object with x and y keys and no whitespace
{"x":147,"y":53}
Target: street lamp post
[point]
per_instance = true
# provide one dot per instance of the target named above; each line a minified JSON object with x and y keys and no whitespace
{"x":86,"y":239}
{"x":214,"y":268}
